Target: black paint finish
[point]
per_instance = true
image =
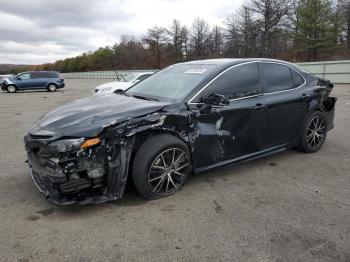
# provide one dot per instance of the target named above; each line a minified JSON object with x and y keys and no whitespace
{"x":246,"y":128}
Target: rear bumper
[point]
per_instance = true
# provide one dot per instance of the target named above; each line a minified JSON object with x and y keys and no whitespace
{"x":329,"y":111}
{"x":60,"y":85}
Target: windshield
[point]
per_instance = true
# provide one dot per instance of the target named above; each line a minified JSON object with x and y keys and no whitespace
{"x":130,"y":77}
{"x":173,"y":83}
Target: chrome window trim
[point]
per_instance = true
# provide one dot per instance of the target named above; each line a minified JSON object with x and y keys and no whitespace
{"x":263,"y":93}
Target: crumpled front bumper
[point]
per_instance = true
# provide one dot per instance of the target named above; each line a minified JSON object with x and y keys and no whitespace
{"x":58,"y":189}
{"x":65,"y":181}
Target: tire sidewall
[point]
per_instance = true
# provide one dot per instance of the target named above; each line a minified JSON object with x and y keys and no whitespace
{"x":13,"y":88}
{"x":304,"y":144}
{"x":140,"y":177}
{"x":54,"y":87}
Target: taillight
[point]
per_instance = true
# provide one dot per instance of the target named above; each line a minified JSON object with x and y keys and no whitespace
{"x":61,"y":77}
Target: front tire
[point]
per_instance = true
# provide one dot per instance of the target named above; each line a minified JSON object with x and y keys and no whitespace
{"x":314,"y":132}
{"x":52,"y":88}
{"x":11,"y":89}
{"x":161,"y":166}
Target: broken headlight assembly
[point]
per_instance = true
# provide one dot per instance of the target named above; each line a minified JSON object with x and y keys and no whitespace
{"x":68,"y":145}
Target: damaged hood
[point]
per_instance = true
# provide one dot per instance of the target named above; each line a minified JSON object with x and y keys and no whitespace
{"x":87,"y":117}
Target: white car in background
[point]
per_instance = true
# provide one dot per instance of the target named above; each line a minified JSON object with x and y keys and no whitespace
{"x":121,"y":85}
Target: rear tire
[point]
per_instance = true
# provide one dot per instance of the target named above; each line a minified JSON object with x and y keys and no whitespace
{"x":11,"y":89}
{"x":161,"y":166}
{"x":313,"y":133}
{"x":52,"y":88}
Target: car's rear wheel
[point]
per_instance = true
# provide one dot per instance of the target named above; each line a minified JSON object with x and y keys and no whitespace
{"x":314,"y":132}
{"x":11,"y":89}
{"x":161,"y":166}
{"x":52,"y":87}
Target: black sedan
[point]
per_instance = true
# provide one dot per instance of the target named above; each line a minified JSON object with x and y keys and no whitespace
{"x":185,"y":119}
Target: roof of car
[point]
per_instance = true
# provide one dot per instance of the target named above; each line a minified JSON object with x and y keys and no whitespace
{"x":223,"y":61}
{"x":41,"y":72}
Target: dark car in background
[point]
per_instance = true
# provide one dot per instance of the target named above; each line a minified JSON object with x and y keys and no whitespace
{"x":49,"y":80}
{"x":185,"y":119}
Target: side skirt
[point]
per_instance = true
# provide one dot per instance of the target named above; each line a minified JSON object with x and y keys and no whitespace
{"x":244,"y":158}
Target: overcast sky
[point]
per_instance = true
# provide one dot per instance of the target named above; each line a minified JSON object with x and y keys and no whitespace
{"x":40,"y":31}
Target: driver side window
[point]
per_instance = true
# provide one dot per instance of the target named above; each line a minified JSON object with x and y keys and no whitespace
{"x":237,"y":82}
{"x":25,"y":76}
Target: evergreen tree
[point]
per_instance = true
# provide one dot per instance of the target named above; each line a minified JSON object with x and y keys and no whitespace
{"x":317,"y":30}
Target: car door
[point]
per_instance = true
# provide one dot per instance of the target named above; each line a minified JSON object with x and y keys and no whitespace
{"x":24,"y":81}
{"x":285,"y":105}
{"x":234,"y":130}
{"x":39,"y":79}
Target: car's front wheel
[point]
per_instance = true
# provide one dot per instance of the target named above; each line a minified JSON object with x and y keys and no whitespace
{"x":52,"y":88}
{"x":314,"y":132}
{"x":11,"y":89}
{"x":161,"y":166}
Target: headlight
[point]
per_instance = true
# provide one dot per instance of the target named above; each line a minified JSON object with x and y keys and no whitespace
{"x":65,"y":145}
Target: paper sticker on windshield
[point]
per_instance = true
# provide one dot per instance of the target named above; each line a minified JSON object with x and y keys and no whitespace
{"x":195,"y":71}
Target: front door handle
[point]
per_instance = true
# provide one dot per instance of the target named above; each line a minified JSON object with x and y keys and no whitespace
{"x":259,"y":107}
{"x":305,"y":96}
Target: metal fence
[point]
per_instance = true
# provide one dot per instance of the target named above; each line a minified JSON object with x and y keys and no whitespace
{"x":118,"y":75}
{"x":336,"y":71}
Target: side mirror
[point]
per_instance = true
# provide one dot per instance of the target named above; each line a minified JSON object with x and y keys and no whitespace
{"x":118,"y":91}
{"x":18,"y":78}
{"x":217,"y":100}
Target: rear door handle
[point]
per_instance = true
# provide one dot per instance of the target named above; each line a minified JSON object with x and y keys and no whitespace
{"x":259,"y":107}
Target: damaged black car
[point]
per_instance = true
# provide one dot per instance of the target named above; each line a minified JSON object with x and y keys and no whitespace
{"x":183,"y":120}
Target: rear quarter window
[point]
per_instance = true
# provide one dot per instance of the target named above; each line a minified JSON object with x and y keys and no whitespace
{"x":297,"y":78}
{"x":51,"y":75}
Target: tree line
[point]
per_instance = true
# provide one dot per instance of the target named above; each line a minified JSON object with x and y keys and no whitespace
{"x":293,"y":30}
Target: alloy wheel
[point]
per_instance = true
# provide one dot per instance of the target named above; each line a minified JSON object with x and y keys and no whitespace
{"x":168,"y":171}
{"x":52,"y":88}
{"x":316,"y":131}
{"x":11,"y":89}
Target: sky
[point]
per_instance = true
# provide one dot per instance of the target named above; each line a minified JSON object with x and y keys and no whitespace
{"x":41,"y":31}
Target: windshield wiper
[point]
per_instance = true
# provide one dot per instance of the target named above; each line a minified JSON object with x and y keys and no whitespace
{"x":145,"y":97}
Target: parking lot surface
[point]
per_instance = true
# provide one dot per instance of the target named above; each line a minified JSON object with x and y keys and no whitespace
{"x":288,"y":207}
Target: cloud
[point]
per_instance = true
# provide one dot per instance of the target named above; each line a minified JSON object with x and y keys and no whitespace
{"x":39,"y":31}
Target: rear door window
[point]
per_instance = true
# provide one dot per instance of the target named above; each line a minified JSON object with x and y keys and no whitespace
{"x":278,"y":77}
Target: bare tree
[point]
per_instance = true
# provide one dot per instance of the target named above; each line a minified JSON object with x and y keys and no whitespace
{"x":216,"y":41}
{"x":231,"y":37}
{"x":185,"y":38}
{"x":174,"y":33}
{"x":270,"y":14}
{"x":248,"y":32}
{"x":200,"y":37}
{"x":156,"y":38}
